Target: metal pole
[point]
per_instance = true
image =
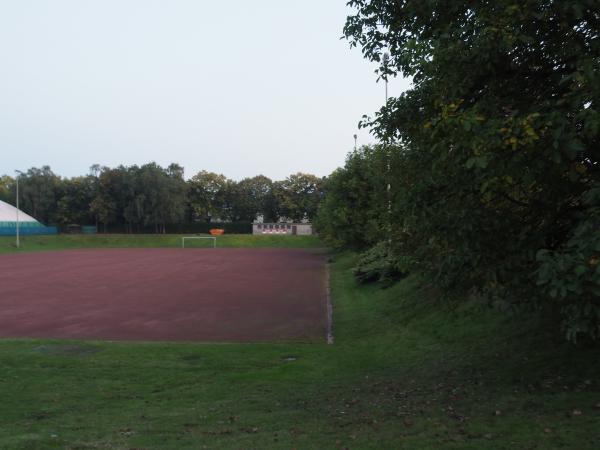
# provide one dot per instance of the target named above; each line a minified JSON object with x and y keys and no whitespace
{"x":355,"y":138}
{"x":386,"y":59}
{"x":18,"y":174}
{"x":386,"y":91}
{"x":389,"y":156}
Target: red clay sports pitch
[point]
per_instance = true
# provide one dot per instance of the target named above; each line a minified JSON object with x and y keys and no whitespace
{"x":243,"y":295}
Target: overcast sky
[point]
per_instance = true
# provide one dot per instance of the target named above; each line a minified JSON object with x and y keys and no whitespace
{"x":237,"y":87}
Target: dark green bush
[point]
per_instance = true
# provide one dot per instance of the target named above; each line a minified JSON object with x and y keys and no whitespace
{"x":570,"y":274}
{"x":378,"y":264}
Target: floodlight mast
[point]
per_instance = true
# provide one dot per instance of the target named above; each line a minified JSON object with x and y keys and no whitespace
{"x":19,"y":173}
{"x":386,"y":61}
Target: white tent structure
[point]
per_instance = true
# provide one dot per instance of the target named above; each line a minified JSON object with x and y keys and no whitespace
{"x":8,"y":217}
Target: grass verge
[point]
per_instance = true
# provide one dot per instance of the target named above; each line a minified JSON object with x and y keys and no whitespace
{"x":405,"y":372}
{"x":73,"y":241}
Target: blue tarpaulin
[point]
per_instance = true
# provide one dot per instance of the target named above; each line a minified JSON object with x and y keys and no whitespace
{"x":28,"y":231}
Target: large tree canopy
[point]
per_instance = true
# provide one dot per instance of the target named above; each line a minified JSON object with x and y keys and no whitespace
{"x":500,"y":143}
{"x":207,"y":196}
{"x":353,"y":211}
{"x":298,"y":196}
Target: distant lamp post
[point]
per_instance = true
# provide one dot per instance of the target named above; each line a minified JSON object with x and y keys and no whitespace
{"x":19,"y":173}
{"x":355,"y":138}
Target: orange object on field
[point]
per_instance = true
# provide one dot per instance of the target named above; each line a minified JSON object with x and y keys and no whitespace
{"x":217,"y":231}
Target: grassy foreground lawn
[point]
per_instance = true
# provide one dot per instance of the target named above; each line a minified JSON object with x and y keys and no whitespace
{"x":71,"y":241}
{"x":404,"y":372}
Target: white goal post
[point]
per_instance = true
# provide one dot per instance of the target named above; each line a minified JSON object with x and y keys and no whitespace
{"x":199,"y":237}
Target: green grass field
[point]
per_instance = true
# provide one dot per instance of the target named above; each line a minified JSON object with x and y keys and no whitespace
{"x":66,"y":241}
{"x":405,"y":372}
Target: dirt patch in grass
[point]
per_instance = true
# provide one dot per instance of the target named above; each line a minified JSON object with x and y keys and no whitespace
{"x":67,"y":349}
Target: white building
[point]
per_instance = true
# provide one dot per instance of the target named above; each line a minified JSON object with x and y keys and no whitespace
{"x":300,"y":229}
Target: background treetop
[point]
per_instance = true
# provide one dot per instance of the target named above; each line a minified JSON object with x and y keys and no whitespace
{"x":150,"y":197}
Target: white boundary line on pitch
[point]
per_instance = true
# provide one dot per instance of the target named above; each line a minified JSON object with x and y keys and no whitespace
{"x":329,"y":306}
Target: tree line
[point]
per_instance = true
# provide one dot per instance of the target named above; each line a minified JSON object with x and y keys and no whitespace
{"x":151,"y":197}
{"x":494,"y":153}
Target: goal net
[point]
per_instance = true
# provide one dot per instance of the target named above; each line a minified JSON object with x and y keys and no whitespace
{"x":198,"y":242}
